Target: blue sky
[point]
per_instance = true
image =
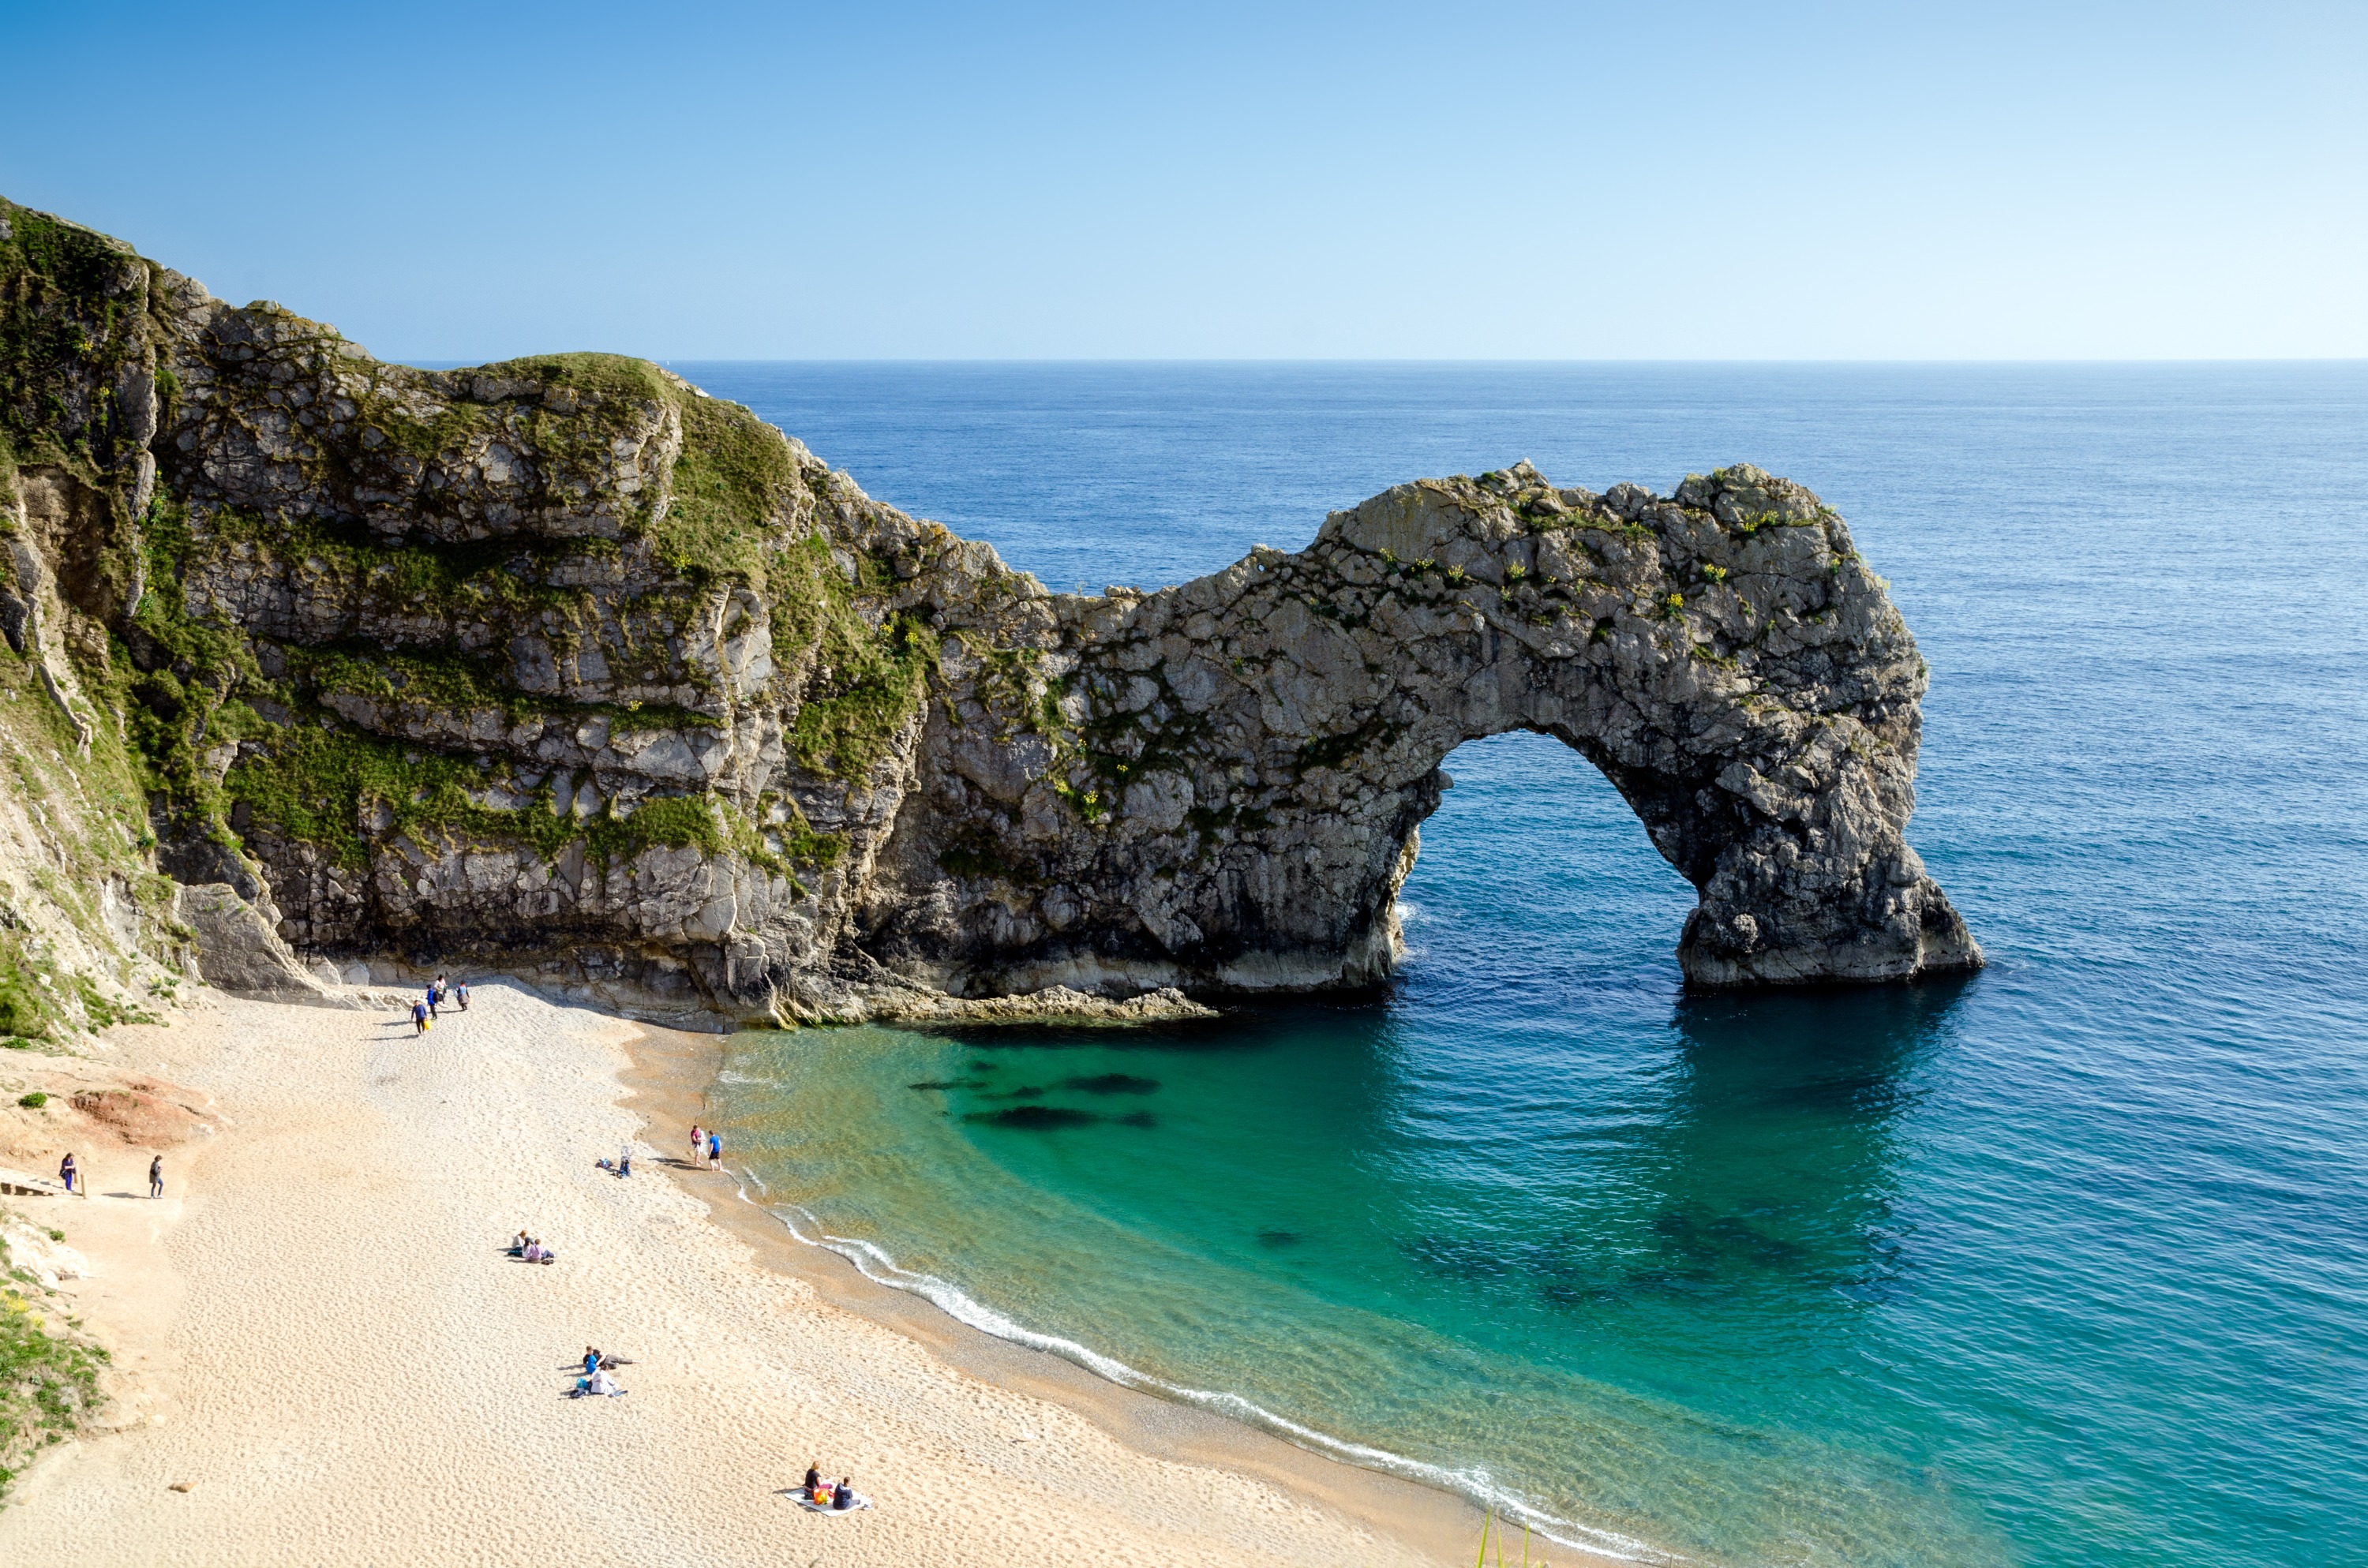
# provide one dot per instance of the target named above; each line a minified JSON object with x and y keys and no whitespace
{"x":1457,"y":180}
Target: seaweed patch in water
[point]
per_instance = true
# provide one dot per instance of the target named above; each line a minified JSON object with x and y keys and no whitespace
{"x":950,"y":1084}
{"x":1280,"y":1238}
{"x":1034,"y":1118}
{"x":1114,"y":1084}
{"x":1138,"y":1118}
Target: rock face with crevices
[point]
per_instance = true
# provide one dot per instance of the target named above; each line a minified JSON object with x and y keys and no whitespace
{"x":1221,"y":784}
{"x":562,"y":666}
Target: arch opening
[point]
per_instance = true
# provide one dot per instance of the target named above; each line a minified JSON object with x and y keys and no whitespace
{"x":1533,"y":871}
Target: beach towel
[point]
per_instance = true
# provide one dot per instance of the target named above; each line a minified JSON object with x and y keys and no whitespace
{"x":810,"y":1507}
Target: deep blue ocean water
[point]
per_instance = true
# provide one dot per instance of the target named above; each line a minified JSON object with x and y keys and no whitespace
{"x":2064,"y":1265}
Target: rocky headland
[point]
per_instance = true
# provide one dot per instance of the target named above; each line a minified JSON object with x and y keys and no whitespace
{"x":324,"y":669}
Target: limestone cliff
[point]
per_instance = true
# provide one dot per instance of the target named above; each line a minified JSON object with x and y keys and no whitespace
{"x":561,"y":666}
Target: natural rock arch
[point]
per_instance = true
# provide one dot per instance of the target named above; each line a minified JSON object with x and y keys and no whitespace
{"x":1219,"y":784}
{"x":565,"y":667}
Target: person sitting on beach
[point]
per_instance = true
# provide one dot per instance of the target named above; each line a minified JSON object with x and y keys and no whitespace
{"x":843,"y":1498}
{"x":591,"y":1360}
{"x":813,"y":1481}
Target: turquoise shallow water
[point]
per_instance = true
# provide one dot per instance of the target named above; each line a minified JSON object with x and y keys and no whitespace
{"x":2067,"y":1264}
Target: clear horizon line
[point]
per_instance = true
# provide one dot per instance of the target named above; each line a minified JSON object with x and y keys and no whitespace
{"x":450,"y":362}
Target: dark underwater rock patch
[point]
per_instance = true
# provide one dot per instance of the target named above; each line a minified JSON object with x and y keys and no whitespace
{"x":1112,"y":1084}
{"x":1035,"y":1117}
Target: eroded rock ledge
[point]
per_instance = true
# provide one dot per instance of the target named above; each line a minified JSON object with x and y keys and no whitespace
{"x":564,"y":667}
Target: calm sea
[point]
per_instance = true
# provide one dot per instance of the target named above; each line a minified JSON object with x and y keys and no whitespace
{"x":2064,"y":1265}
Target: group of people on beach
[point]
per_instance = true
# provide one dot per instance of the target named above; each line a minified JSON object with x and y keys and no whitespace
{"x":70,"y":1176}
{"x":839,"y":1496}
{"x":706,"y":1148}
{"x":531,"y":1248}
{"x":595,"y":1379}
{"x":423,"y":1012}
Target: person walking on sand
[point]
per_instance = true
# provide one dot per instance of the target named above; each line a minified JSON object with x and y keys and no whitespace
{"x":624,"y":1159}
{"x":698,"y":1144}
{"x":419,"y":1019}
{"x":714,"y":1150}
{"x":156,"y":1177}
{"x":461,"y":995}
{"x":66,"y":1171}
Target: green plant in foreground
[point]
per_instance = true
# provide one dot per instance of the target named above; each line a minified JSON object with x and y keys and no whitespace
{"x":33,"y":1101}
{"x":1488,"y":1519}
{"x":49,"y":1383}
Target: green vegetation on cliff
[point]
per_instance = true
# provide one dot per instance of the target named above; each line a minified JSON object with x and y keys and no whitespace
{"x":867,"y":687}
{"x":342,"y":789}
{"x":736,"y":484}
{"x":63,"y":309}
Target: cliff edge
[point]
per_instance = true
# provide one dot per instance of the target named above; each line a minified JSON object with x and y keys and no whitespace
{"x":564,"y":667}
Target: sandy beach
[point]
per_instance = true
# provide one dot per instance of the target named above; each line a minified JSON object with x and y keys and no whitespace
{"x":318,"y":1336}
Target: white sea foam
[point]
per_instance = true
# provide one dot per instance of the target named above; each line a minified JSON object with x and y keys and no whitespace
{"x":1472,"y":1483}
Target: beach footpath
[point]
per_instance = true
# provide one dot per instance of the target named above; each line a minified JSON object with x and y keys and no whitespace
{"x":324,"y":1355}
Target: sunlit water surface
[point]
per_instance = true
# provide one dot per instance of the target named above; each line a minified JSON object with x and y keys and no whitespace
{"x":2065,"y":1265}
